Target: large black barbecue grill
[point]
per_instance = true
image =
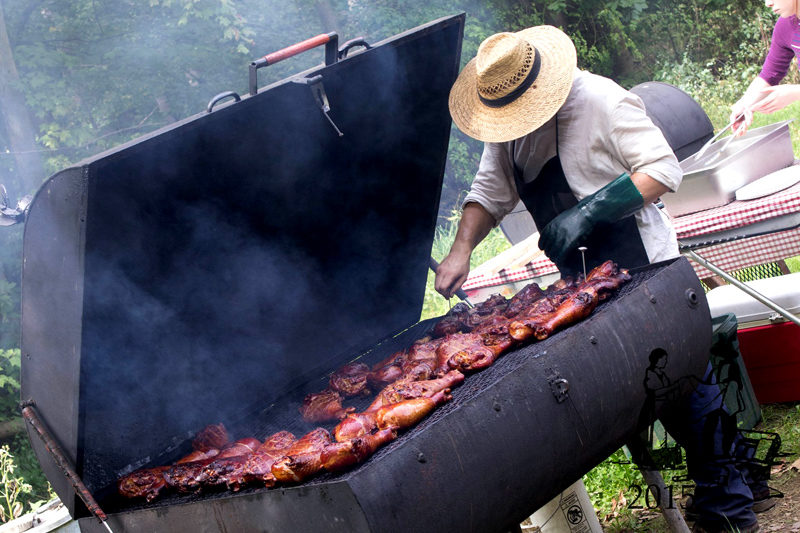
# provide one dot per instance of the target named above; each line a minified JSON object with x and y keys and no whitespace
{"x":219,"y":269}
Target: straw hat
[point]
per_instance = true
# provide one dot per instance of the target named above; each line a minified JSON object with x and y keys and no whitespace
{"x":515,"y":84}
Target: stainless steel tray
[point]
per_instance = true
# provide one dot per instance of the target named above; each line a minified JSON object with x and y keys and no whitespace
{"x":712,"y":180}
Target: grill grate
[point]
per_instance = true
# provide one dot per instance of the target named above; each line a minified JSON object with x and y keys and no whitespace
{"x":283,"y":415}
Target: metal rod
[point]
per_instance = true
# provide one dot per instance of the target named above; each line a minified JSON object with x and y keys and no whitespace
{"x":30,"y":414}
{"x":583,"y":259}
{"x":743,"y":287}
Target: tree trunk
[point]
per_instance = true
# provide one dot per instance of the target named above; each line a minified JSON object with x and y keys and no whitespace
{"x":17,"y":121}
{"x":10,"y":428}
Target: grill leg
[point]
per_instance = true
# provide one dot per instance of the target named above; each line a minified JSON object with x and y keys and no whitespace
{"x":641,"y":457}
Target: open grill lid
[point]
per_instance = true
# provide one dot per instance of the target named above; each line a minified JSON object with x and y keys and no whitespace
{"x":220,"y":261}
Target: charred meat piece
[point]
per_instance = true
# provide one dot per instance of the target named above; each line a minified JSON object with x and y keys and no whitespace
{"x":387,"y":371}
{"x":240,"y":447}
{"x":453,"y":322}
{"x":408,"y":413}
{"x":230,"y":466}
{"x":303,"y":458}
{"x":350,"y":380}
{"x":572,"y":310}
{"x":392,"y":359}
{"x":149,"y":482}
{"x":605,"y":286}
{"x":323,"y":406}
{"x":386,"y":375}
{"x":472,"y":351}
{"x":340,"y":455}
{"x":186,"y":477}
{"x":495,"y":305}
{"x":198,"y":455}
{"x":213,"y":436}
{"x":603,"y":270}
{"x":146,"y":483}
{"x":354,"y":425}
{"x":561,"y":284}
{"x":408,"y":389}
{"x":258,"y":466}
{"x":420,"y":362}
{"x":189,"y":476}
{"x":524,"y":298}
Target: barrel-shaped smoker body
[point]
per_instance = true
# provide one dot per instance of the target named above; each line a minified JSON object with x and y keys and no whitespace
{"x":512,"y":438}
{"x":220,"y":268}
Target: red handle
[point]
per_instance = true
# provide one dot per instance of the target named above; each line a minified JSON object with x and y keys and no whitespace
{"x":295,"y":49}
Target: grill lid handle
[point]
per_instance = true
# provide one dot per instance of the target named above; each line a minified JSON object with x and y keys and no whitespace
{"x":222,"y":96}
{"x":330,"y":40}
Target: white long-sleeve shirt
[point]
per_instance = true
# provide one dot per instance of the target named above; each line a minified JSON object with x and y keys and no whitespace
{"x":603,"y":131}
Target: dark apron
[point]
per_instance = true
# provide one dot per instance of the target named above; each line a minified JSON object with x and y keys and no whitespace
{"x":549,"y":194}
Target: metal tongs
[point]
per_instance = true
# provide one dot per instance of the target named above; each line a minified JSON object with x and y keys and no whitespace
{"x":704,"y":148}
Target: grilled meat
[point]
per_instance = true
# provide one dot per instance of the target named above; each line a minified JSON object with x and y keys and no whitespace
{"x":573,"y":309}
{"x":350,"y":380}
{"x":149,"y":482}
{"x":453,"y":322}
{"x":340,"y":455}
{"x":258,"y":466}
{"x":146,"y":483}
{"x":524,"y":298}
{"x":228,"y":467}
{"x":186,"y":477}
{"x":463,"y":319}
{"x":407,"y":389}
{"x":213,"y":436}
{"x":408,"y":413}
{"x":494,"y":306}
{"x":323,"y":406}
{"x":354,"y":425}
{"x":303,"y":458}
{"x":604,"y":270}
{"x":472,"y":351}
{"x":420,"y":361}
{"x":387,"y":371}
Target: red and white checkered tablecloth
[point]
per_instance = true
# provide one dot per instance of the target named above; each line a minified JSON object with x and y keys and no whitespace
{"x":738,"y":213}
{"x":540,"y":266}
{"x":749,"y":252}
{"x":728,"y":256}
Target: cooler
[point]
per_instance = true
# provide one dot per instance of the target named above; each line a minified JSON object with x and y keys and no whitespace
{"x":769,"y":344}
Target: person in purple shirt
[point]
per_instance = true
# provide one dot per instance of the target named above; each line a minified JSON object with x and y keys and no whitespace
{"x":764,"y":94}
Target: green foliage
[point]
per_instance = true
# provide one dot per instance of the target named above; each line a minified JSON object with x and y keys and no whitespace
{"x":9,"y":383}
{"x":10,"y":277}
{"x":12,"y":487}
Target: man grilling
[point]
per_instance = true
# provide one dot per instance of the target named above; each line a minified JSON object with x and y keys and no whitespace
{"x":587,"y":162}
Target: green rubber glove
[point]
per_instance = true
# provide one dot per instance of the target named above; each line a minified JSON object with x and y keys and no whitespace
{"x":564,"y":233}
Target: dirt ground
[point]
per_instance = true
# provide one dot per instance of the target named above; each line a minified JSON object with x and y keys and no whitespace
{"x":785,"y":516}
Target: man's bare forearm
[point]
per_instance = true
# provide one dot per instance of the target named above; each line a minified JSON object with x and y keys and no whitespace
{"x":475,"y":224}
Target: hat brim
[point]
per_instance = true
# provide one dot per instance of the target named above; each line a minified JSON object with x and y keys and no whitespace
{"x":532,"y":108}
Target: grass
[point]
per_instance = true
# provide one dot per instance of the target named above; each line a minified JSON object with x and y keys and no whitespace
{"x":494,"y":243}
